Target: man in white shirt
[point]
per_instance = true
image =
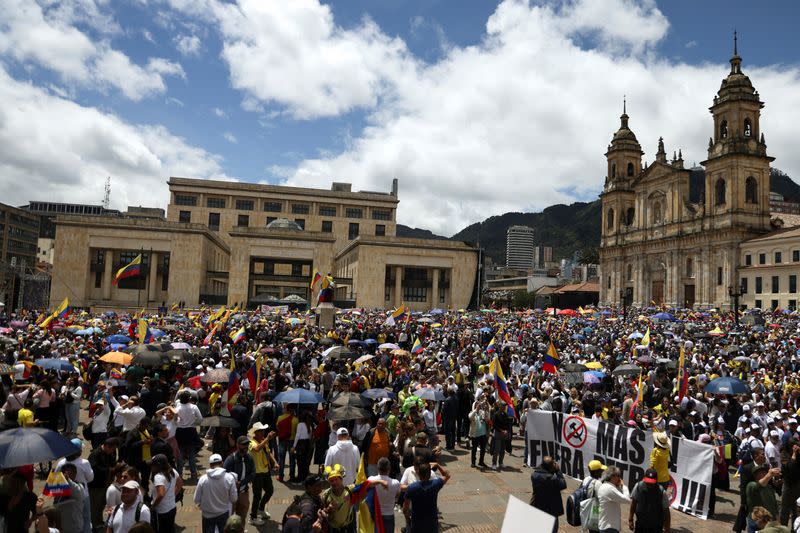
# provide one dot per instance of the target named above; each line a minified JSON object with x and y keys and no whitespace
{"x":611,"y":495}
{"x":344,"y":453}
{"x":773,"y":449}
{"x":130,"y":413}
{"x":188,"y":418}
{"x":215,"y":494}
{"x":129,"y":512}
{"x":387,"y":496}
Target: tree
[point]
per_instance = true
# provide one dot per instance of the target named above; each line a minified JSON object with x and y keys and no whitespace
{"x":589,"y":256}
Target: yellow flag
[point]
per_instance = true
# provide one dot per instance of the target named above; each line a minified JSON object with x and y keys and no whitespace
{"x":646,"y":339}
{"x":365,"y":523}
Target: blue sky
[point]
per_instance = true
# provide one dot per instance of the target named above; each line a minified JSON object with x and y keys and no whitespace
{"x":477,"y":107}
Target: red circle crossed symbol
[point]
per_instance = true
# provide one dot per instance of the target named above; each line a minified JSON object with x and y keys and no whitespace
{"x":672,"y":490}
{"x":575,"y":432}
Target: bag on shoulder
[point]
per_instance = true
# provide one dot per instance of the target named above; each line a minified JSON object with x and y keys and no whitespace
{"x":745,"y":453}
{"x":573,"y":507}
{"x":590,"y":514}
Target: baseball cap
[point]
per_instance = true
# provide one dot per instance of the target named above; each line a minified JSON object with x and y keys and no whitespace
{"x":745,"y":408}
{"x":342,"y":431}
{"x":673,"y":422}
{"x":214,"y":459}
{"x":650,"y":476}
{"x":774,"y":433}
{"x":596,"y":465}
{"x":131,"y":484}
{"x":243,"y":440}
{"x":755,"y":426}
{"x":312,"y":480}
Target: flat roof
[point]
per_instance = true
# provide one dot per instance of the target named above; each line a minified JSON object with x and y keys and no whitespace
{"x":406,"y":242}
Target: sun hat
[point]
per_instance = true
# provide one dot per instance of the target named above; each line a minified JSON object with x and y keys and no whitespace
{"x":661,"y":440}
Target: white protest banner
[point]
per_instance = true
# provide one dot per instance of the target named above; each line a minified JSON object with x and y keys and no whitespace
{"x":574,"y":441}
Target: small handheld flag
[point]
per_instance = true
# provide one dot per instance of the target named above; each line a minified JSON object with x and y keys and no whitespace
{"x":491,"y":348}
{"x":63,"y":310}
{"x":551,"y":359}
{"x":315,"y":278}
{"x":133,"y":268}
{"x":56,"y":485}
{"x":238,"y":335}
{"x":143,"y":332}
{"x":500,"y":385}
{"x":417,"y":348}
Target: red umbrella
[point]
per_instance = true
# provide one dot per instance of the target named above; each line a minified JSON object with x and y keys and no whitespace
{"x":567,"y":312}
{"x":194,"y":382}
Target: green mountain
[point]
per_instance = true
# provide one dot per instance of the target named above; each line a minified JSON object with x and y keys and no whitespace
{"x":569,"y":228}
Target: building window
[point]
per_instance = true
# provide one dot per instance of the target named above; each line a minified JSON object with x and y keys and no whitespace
{"x":792,"y":283}
{"x":354,"y":212}
{"x":748,"y":128}
{"x":751,"y":190}
{"x":327,"y":226}
{"x":213,"y":221}
{"x":165,"y":273}
{"x":608,"y":282}
{"x":795,"y":256}
{"x":613,"y":170}
{"x":380,"y":230}
{"x":748,"y":260}
{"x":744,"y":285}
{"x":719,"y":275}
{"x":629,"y":270}
{"x":631,"y":216}
{"x":758,"y":304}
{"x":273,"y":207}
{"x":610,"y":219}
{"x":774,"y":304}
{"x":723,"y":129}
{"x":243,"y":221}
{"x":387,"y":292}
{"x":300,"y":209}
{"x":185,"y":217}
{"x":381,"y":214}
{"x":216,"y":203}
{"x":244,"y":205}
{"x":301,"y":222}
{"x":271,"y":219}
{"x":758,"y":286}
{"x":352,"y":230}
{"x":689,"y":267}
{"x":776,"y":285}
{"x":762,"y":259}
{"x":656,"y":213}
{"x":98,"y":280}
{"x":185,"y":199}
{"x":327,"y":211}
{"x":415,"y":294}
{"x":719,"y":192}
{"x":297,"y":269}
{"x":630,"y":169}
{"x":778,"y":258}
{"x":792,"y":305}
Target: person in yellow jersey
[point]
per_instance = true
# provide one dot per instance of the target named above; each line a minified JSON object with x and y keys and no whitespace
{"x":25,"y":417}
{"x":340,"y":499}
{"x":137,"y":446}
{"x":659,"y":458}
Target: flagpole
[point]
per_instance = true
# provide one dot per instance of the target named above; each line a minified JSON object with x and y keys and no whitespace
{"x":139,"y":290}
{"x":147,"y":285}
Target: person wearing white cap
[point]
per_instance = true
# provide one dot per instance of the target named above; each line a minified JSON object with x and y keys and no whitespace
{"x":790,"y":432}
{"x":129,"y":512}
{"x":344,"y":453}
{"x":751,"y":436}
{"x":772,"y":450}
{"x":215,"y":494}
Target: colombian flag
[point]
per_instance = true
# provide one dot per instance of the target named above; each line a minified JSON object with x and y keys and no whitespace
{"x":400,"y":312}
{"x":551,"y":359}
{"x":210,"y":336}
{"x":143,"y":332}
{"x":315,"y":278}
{"x":56,"y":485}
{"x":46,"y":322}
{"x":500,"y":385}
{"x":233,"y":386}
{"x":63,"y":310}
{"x":491,"y":348}
{"x":417,"y":348}
{"x":237,"y":335}
{"x":254,"y":374}
{"x":370,"y":519}
{"x":133,"y":268}
{"x":115,"y":374}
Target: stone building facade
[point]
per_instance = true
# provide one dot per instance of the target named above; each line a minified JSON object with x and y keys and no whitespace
{"x":665,"y":240}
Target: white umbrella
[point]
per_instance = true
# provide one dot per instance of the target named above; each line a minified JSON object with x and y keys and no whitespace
{"x":425,"y":320}
{"x":363,"y":359}
{"x":388,"y":346}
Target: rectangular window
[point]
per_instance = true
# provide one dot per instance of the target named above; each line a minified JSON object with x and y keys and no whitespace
{"x":380,"y":230}
{"x":748,"y":260}
{"x":213,"y":221}
{"x":758,"y":304}
{"x":244,"y":205}
{"x":719,"y":275}
{"x":795,"y":256}
{"x":778,"y":258}
{"x":273,"y":207}
{"x":776,"y":284}
{"x":381,"y":214}
{"x":744,"y":285}
{"x":185,"y":199}
{"x":762,"y":259}
{"x":185,"y":217}
{"x":300,"y":209}
{"x":774,"y":304}
{"x":352,"y":231}
{"x":327,"y":226}
{"x":98,"y":280}
{"x":297,"y":269}
{"x":271,"y":219}
{"x":792,"y":305}
{"x":216,"y":203}
{"x":793,"y":283}
{"x":327,"y":211}
{"x":301,"y":222}
{"x":758,"y":286}
{"x":415,"y":294}
{"x":354,"y":212}
{"x":243,"y":221}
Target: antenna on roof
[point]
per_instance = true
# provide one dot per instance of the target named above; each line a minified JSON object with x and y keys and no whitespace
{"x":107,"y":193}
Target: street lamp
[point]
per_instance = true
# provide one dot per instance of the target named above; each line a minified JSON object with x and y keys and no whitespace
{"x":622,"y":299}
{"x":734,"y":292}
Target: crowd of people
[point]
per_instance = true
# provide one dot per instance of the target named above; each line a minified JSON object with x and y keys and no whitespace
{"x":385,"y":398}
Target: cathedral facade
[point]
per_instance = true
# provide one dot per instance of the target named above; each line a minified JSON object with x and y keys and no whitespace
{"x":670,"y":235}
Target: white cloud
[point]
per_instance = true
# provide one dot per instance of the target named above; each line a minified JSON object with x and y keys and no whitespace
{"x":70,"y":162}
{"x":230,"y":137}
{"x":47,"y":37}
{"x":691,"y":44}
{"x":188,"y":45}
{"x":219,"y":112}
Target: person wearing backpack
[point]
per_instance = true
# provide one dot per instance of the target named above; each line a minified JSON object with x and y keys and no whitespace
{"x":129,"y":512}
{"x":590,"y":485}
{"x":649,"y":509}
{"x":548,"y":482}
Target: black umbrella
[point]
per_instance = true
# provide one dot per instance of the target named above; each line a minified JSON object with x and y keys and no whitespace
{"x":646,"y":359}
{"x":326,"y":341}
{"x":351,"y":399}
{"x":146,"y":358}
{"x":349,"y":412}
{"x":573,"y":367}
{"x":219,"y":422}
{"x":216,"y":375}
{"x":626,"y":370}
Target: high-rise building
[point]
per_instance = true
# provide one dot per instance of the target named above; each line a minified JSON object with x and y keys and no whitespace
{"x":542,"y":255}
{"x":519,"y":247}
{"x":18,"y":238}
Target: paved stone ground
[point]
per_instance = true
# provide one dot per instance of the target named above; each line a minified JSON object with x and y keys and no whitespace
{"x":474,"y":501}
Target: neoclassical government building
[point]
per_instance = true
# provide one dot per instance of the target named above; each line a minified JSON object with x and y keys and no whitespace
{"x":671,"y":235}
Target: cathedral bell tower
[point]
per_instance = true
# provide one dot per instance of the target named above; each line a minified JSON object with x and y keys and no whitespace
{"x":624,"y":158}
{"x":737,"y":168}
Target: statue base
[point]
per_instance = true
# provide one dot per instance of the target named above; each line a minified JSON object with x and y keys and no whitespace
{"x":326,"y":316}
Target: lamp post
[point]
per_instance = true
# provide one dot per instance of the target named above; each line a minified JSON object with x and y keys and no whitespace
{"x":623,"y":299}
{"x":734,"y":292}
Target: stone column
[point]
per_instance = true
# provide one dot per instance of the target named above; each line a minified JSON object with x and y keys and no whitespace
{"x":153,"y":277}
{"x":398,"y":286}
{"x":435,"y":289}
{"x":108,"y":274}
{"x":704,"y":279}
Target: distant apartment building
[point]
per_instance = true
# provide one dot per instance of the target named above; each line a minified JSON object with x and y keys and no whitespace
{"x":778,"y":204}
{"x":542,"y":255}
{"x":19,"y":231}
{"x":519,"y":247}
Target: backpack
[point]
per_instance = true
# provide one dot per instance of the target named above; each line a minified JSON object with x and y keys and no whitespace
{"x":136,"y":515}
{"x":745,"y":453}
{"x":573,"y":507}
{"x":649,"y":507}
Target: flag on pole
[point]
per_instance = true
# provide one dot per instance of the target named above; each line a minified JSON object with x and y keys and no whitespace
{"x":133,"y":268}
{"x":315,"y":278}
{"x":491,"y":348}
{"x":210,"y":336}
{"x":500,"y":385}
{"x":646,"y":339}
{"x":63,"y":310}
{"x":370,"y":519}
{"x":238,"y":335}
{"x":639,"y":394}
{"x":143,"y":332}
{"x":233,"y":386}
{"x":551,"y":360}
{"x":683,"y":377}
{"x":417,"y":348}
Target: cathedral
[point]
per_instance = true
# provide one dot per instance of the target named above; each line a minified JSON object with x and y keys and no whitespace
{"x":671,"y":235}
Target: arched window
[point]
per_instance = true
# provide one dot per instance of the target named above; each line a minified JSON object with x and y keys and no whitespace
{"x":631,"y":215}
{"x":719,"y":192}
{"x":613,"y":170}
{"x":723,"y":129}
{"x":689,"y":267}
{"x":630,"y":169}
{"x":751,"y":190}
{"x":610,"y":219}
{"x":656,"y":213}
{"x":630,"y":273}
{"x":748,"y":128}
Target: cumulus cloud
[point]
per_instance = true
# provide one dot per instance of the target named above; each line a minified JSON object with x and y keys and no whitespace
{"x":188,"y":45}
{"x":70,"y":162}
{"x":230,"y":137}
{"x":46,"y":35}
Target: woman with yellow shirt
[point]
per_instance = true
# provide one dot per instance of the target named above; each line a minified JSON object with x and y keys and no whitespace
{"x":659,"y":458}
